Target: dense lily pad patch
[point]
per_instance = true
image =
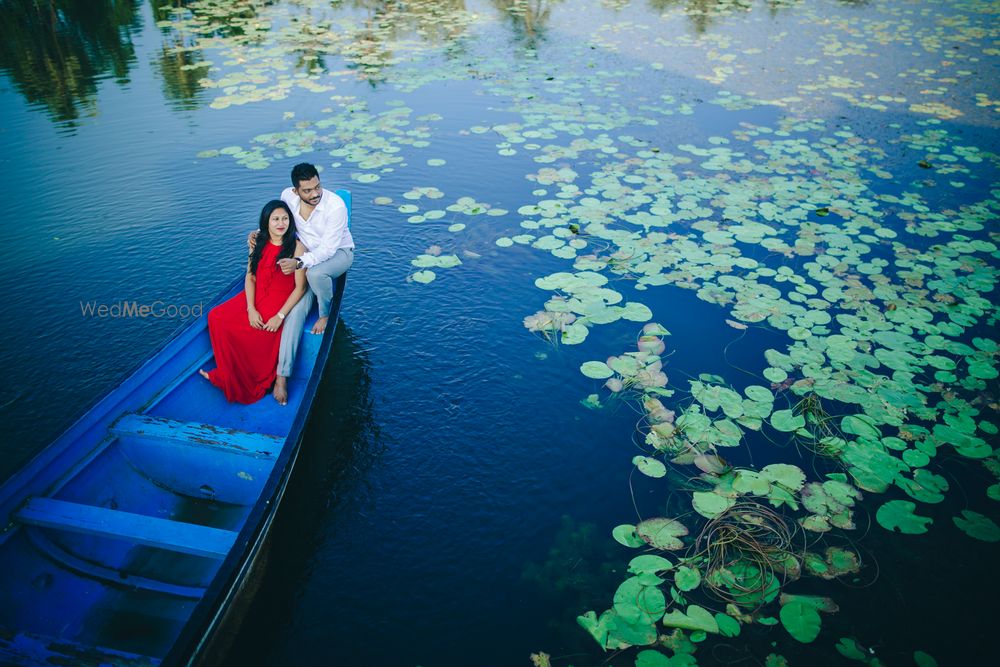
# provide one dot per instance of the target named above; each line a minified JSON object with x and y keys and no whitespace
{"x":744,"y":544}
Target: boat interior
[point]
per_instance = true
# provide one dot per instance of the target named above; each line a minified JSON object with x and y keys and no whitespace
{"x":116,"y":530}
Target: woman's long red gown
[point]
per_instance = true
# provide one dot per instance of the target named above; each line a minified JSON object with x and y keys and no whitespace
{"x":246,"y":358}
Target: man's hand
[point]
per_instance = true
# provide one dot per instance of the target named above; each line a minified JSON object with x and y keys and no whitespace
{"x":256,"y":321}
{"x":252,"y":241}
{"x":287,"y":265}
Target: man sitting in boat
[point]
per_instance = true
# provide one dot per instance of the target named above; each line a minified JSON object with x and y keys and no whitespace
{"x":321,"y":225}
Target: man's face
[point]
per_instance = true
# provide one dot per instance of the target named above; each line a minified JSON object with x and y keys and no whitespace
{"x":310,"y":191}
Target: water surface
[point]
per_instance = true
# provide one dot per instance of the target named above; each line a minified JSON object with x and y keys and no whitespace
{"x":456,"y":500}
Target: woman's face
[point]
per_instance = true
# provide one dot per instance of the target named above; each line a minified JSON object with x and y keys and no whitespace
{"x":277,"y":224}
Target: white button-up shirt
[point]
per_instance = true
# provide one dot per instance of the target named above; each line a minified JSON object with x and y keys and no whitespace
{"x":325,"y":232}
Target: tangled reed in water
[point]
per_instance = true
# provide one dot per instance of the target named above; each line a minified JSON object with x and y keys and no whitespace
{"x":749,"y":551}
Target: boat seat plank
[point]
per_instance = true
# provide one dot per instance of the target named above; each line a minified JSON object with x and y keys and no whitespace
{"x":26,"y":648}
{"x":151,"y":531}
{"x":200,"y":435}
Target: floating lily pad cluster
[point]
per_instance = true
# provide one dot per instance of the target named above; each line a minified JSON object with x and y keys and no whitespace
{"x":363,"y":139}
{"x":728,"y":564}
{"x":431,"y":259}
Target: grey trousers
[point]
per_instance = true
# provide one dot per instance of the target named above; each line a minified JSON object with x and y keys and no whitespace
{"x":320,"y":279}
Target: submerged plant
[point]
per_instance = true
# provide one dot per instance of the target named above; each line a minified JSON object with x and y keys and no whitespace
{"x":749,"y":551}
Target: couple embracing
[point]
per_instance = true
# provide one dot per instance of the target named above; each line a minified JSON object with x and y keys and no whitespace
{"x":302,"y":246}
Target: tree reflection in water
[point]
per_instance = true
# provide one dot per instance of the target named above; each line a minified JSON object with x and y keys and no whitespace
{"x":704,"y":13}
{"x":178,"y":61}
{"x":433,"y":21}
{"x":55,"y":51}
{"x":527,"y":18}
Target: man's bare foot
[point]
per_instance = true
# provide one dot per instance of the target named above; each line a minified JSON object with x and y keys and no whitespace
{"x":320,"y":325}
{"x":202,"y":373}
{"x":280,"y":392}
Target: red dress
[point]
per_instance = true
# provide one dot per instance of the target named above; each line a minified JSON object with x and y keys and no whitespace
{"x":247,"y":358}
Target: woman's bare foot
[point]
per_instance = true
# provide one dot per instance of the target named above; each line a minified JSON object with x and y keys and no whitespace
{"x":320,"y":325}
{"x":280,"y":392}
{"x":202,"y":373}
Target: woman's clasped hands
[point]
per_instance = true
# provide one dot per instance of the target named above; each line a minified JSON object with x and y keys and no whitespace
{"x":257,"y":321}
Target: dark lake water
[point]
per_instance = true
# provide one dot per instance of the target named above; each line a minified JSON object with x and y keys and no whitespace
{"x":817,"y":178}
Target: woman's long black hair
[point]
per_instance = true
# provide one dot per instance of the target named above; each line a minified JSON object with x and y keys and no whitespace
{"x":264,"y":236}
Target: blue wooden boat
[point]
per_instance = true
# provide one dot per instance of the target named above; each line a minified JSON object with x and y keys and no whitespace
{"x":133,"y":538}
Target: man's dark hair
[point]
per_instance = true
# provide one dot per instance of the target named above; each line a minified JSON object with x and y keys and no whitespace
{"x":303,"y":171}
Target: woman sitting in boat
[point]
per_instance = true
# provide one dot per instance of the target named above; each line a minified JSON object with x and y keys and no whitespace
{"x":245,"y":330}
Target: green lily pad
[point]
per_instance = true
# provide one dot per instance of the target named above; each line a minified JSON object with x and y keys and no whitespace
{"x":925,"y":486}
{"x":711,"y":505}
{"x":801,"y":621}
{"x":649,"y":466}
{"x":787,"y":421}
{"x":687,"y":578}
{"x":842,"y":561}
{"x":613,"y":632}
{"x":636,"y":312}
{"x":649,"y":564}
{"x":759,"y":394}
{"x":966,"y":445}
{"x":626,"y":535}
{"x":851,"y":649}
{"x":978,"y":526}
{"x":597,"y":627}
{"x":423,"y":276}
{"x":662,"y":533}
{"x":817,"y":602}
{"x":695,"y":618}
{"x":861,"y":426}
{"x":915,"y":458}
{"x":624,"y":365}
{"x":747,"y":584}
{"x":873,"y":469}
{"x":775,"y":375}
{"x":784,"y":474}
{"x":650,"y":658}
{"x":748,"y":481}
{"x":815,"y":523}
{"x":637,"y":603}
{"x":898,"y":515}
{"x":597,"y":370}
{"x":728,"y":626}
